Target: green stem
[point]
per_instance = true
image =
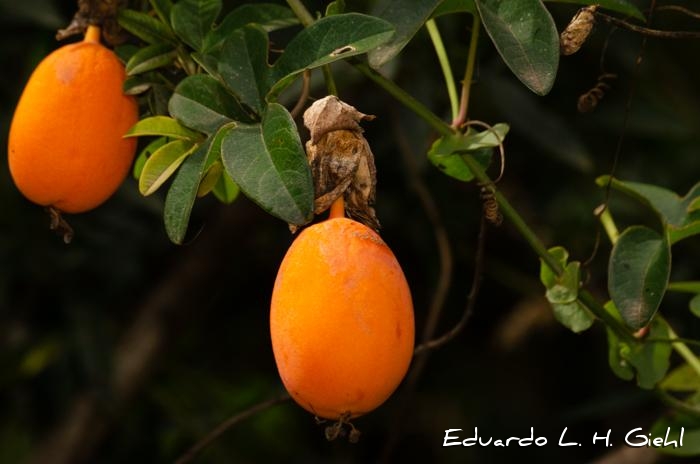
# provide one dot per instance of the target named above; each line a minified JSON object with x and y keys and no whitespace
{"x":684,"y":287}
{"x":681,"y":348}
{"x":306,"y":20}
{"x":608,"y":223}
{"x":301,"y":12}
{"x":538,"y":247}
{"x":468,"y":74}
{"x":441,"y":53}
{"x":401,"y":95}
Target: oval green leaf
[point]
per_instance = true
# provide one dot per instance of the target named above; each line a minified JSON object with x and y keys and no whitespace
{"x":162,"y":126}
{"x":192,"y":20}
{"x":149,"y":58}
{"x":202,"y":103}
{"x":145,"y":154}
{"x":210,"y":179}
{"x":268,"y":163}
{"x":183,"y":191}
{"x":638,"y":274}
{"x":162,"y":164}
{"x":145,"y":27}
{"x":330,"y":39}
{"x":226,"y":189}
{"x":526,"y":37}
{"x":407,"y":17}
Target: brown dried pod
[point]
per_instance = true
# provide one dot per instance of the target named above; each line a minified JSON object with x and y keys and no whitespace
{"x":341,"y":161}
{"x":589,"y":100}
{"x":578,"y":30}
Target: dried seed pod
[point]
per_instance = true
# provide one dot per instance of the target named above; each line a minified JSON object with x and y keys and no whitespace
{"x":578,"y":30}
{"x":341,"y":160}
{"x":589,"y":100}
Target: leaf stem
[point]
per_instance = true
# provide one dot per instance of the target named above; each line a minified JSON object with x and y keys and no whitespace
{"x":441,"y":53}
{"x":608,"y":223}
{"x":401,"y":95}
{"x":306,"y":20}
{"x":538,"y":247}
{"x":468,"y":74}
{"x":680,"y":347}
{"x":684,"y":287}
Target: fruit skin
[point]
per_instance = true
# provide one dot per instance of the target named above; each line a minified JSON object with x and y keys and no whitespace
{"x":341,"y":320}
{"x":65,"y":145}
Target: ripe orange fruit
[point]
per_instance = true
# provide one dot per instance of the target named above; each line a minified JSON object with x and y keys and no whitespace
{"x":65,"y":146}
{"x":341,"y":320}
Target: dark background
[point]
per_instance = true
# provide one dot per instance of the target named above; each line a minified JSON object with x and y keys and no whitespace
{"x":122,"y":347}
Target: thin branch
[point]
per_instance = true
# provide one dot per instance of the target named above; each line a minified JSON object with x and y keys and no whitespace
{"x":227,"y":424}
{"x":303,"y":96}
{"x":645,"y":31}
{"x":468,"y":74}
{"x":679,"y":9}
{"x":471,"y":298}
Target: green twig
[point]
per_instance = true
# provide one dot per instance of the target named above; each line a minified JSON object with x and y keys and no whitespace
{"x":680,"y":347}
{"x":401,"y":95}
{"x":677,"y":404}
{"x":468,"y":74}
{"x":441,"y":53}
{"x":608,"y":223}
{"x":684,"y":287}
{"x":306,"y":20}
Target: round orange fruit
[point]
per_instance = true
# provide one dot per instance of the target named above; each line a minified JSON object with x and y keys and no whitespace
{"x":66,"y":148}
{"x":341,"y":320}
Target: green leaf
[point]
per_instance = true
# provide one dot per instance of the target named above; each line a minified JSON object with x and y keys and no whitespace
{"x":183,"y":190}
{"x":150,"y":58}
{"x":649,"y":359}
{"x":695,"y":305}
{"x":329,"y":39}
{"x":243,"y":65}
{"x":682,"y":379}
{"x":455,"y":6}
{"x":162,"y":164}
{"x":562,"y":292}
{"x":200,"y":102}
{"x":407,"y":17}
{"x":446,"y":152}
{"x":336,"y":7}
{"x":162,"y":126}
{"x":145,"y":153}
{"x":163,"y":9}
{"x":145,"y":27}
{"x":679,"y":215}
{"x":673,"y":425}
{"x":268,"y":163}
{"x":226,"y":189}
{"x":621,"y":6}
{"x":526,"y":37}
{"x":210,"y":179}
{"x":192,"y":20}
{"x":136,"y":85}
{"x":638,"y":273}
{"x":269,"y":16}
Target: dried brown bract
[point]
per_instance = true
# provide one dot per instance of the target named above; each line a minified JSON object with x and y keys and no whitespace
{"x":100,"y":12}
{"x":578,"y":30}
{"x":589,"y":100}
{"x":341,"y":160}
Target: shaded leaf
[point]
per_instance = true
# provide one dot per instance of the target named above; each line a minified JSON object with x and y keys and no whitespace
{"x":145,"y":153}
{"x":202,"y":103}
{"x":192,"y":20}
{"x":447,"y":151}
{"x":673,"y":425}
{"x":455,"y":6}
{"x":162,"y":164}
{"x":268,"y":163}
{"x":269,"y":16}
{"x":243,"y":65}
{"x":226,"y":189}
{"x":145,"y":27}
{"x":679,"y":215}
{"x":407,"y":17}
{"x":695,"y":305}
{"x":638,"y":273}
{"x":162,"y":126}
{"x":621,"y":6}
{"x":336,"y":7}
{"x":136,"y":85}
{"x":183,"y":190}
{"x":329,"y":39}
{"x":210,"y":179}
{"x":682,"y":379}
{"x":150,"y":58}
{"x":526,"y":37}
{"x":163,"y":9}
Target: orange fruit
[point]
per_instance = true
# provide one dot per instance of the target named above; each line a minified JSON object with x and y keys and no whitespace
{"x":341,"y":320}
{"x":65,"y":146}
